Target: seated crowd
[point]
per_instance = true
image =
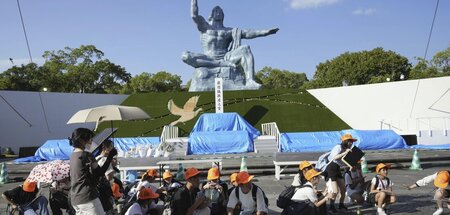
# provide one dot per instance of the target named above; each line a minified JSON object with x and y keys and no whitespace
{"x":92,"y":188}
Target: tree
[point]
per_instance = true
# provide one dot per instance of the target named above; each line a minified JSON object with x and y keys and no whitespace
{"x":85,"y":70}
{"x":363,"y":67}
{"x":438,"y":66}
{"x":441,"y":60}
{"x":271,"y":78}
{"x":26,"y":78}
{"x":159,"y":82}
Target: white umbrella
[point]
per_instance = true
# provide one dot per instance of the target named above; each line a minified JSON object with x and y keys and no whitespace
{"x":108,"y":113}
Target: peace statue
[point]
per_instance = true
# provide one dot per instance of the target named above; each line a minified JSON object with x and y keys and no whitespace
{"x":223,"y":55}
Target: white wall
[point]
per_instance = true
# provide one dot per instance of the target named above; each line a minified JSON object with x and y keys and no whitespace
{"x":37,"y":127}
{"x":403,"y":106}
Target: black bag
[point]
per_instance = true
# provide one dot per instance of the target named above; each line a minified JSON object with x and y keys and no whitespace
{"x":218,"y":199}
{"x":284,"y":199}
{"x":301,"y":207}
{"x":105,"y":194}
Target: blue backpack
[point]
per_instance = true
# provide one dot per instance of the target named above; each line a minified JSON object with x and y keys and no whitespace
{"x":323,"y":162}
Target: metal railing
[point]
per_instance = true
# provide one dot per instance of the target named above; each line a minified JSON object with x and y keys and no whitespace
{"x":169,"y":132}
{"x":271,"y":129}
{"x":418,"y":125}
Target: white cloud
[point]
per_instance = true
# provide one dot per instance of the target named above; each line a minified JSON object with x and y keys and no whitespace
{"x":364,"y":12}
{"x":5,"y":64}
{"x":303,"y":4}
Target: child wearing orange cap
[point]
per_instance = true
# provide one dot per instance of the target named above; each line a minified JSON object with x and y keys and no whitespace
{"x":188,"y":199}
{"x":250,"y":204}
{"x":299,"y":179}
{"x":216,"y":192}
{"x":24,"y":198}
{"x":336,"y":180}
{"x":169,"y":187}
{"x":308,"y":193}
{"x":142,"y":206}
{"x":441,"y":180}
{"x":146,"y":182}
{"x":381,"y":189}
{"x":234,"y":184}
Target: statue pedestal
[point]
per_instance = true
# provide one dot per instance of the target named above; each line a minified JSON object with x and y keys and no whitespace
{"x":233,"y":79}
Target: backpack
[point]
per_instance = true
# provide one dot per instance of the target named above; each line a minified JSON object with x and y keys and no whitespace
{"x":254,"y":190}
{"x":323,"y":162}
{"x":302,"y":207}
{"x":284,"y":199}
{"x":368,"y":185}
{"x":105,"y":194}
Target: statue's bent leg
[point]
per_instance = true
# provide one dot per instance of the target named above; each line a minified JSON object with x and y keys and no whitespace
{"x":243,"y":56}
{"x":200,"y":60}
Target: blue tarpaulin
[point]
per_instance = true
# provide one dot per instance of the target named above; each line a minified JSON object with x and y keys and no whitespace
{"x":224,"y":122}
{"x":441,"y":146}
{"x":61,"y":150}
{"x":220,"y":142}
{"x":325,"y":141}
{"x":221,"y":133}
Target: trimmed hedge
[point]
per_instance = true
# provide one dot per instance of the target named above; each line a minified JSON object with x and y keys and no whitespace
{"x":293,"y":111}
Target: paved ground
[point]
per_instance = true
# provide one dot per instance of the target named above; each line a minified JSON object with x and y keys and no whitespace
{"x":418,"y":201}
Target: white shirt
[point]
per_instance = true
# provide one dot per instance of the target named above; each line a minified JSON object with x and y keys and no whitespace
{"x":248,"y":204}
{"x":144,"y":184}
{"x":296,"y":182}
{"x":382,"y":183}
{"x":101,"y":160}
{"x":134,"y":209}
{"x":305,"y":193}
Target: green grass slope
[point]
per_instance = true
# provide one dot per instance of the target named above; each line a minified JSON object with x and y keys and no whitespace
{"x":293,"y":111}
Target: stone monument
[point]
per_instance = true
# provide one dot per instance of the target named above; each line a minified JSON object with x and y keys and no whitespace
{"x":223,"y":55}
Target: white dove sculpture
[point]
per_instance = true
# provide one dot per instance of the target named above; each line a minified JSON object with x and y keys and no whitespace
{"x":187,"y":113}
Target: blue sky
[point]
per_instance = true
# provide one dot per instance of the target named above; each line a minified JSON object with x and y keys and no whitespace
{"x":150,"y":35}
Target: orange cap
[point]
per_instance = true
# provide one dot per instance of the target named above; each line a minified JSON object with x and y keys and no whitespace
{"x":190,"y":172}
{"x":29,"y":186}
{"x":233,"y":177}
{"x":304,"y":164}
{"x":147,"y":193}
{"x":311,"y":174}
{"x":167,"y":175}
{"x":442,"y":179}
{"x":213,"y":174}
{"x":243,"y":177}
{"x":150,"y":172}
{"x":381,"y":166}
{"x":348,"y":137}
{"x":116,"y":190}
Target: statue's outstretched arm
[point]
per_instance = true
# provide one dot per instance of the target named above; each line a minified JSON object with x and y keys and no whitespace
{"x":250,"y":34}
{"x":199,"y":20}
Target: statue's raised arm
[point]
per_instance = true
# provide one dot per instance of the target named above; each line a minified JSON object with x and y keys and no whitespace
{"x":250,"y":34}
{"x":201,"y":23}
